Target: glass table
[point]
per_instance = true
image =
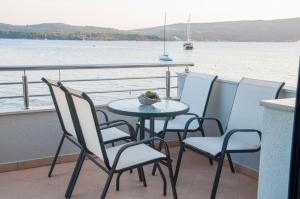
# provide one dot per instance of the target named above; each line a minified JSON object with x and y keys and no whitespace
{"x":132,"y":107}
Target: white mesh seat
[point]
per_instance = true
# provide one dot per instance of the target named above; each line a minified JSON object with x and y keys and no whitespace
{"x":213,"y":145}
{"x":133,"y":156}
{"x":173,"y":125}
{"x":246,"y":113}
{"x":242,"y":134}
{"x":113,"y":134}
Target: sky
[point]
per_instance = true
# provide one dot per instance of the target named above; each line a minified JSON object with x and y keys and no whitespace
{"x":133,"y":14}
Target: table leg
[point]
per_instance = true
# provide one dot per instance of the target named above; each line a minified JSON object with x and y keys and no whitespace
{"x":142,"y":128}
{"x":152,"y":130}
{"x":151,"y":127}
{"x":142,"y":136}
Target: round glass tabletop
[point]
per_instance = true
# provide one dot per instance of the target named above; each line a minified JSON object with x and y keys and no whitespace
{"x":132,"y":107}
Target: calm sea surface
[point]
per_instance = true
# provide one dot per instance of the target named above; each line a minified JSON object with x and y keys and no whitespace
{"x":230,"y":60}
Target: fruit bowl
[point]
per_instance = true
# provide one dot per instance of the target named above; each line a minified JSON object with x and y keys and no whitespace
{"x":149,"y":98}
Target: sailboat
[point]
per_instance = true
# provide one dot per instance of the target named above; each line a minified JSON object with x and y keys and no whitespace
{"x":165,"y":56}
{"x":188,"y":45}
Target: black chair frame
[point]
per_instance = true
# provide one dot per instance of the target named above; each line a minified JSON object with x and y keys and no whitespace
{"x":111,"y":170}
{"x":68,"y":136}
{"x":200,"y":128}
{"x":219,"y":158}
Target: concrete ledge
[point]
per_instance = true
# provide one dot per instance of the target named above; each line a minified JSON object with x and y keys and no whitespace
{"x":287,"y":104}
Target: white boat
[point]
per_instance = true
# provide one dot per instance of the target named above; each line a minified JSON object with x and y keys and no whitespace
{"x":165,"y":56}
{"x":188,"y":45}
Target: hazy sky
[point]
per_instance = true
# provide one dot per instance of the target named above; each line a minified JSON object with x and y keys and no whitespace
{"x":130,"y":14}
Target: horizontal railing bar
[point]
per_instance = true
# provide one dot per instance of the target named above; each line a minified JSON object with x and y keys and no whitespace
{"x":105,"y":79}
{"x":12,"y":97}
{"x":10,"y":83}
{"x":129,"y":90}
{"x":94,"y":92}
{"x":94,"y":66}
{"x":87,"y":80}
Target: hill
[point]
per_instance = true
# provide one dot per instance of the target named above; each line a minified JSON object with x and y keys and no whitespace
{"x":281,"y":30}
{"x":69,"y":32}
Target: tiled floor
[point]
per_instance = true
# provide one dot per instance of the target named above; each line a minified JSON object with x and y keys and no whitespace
{"x":195,"y":182}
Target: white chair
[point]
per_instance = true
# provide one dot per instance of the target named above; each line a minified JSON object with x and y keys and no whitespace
{"x":243,"y":130}
{"x":109,"y":132}
{"x":116,"y":159}
{"x":196,"y":92}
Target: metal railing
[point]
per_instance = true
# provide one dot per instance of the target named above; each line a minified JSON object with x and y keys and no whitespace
{"x":25,"y":83}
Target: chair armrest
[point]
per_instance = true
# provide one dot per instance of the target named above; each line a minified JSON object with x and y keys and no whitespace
{"x":234,"y":131}
{"x":116,"y":123}
{"x":105,"y":115}
{"x":145,"y":141}
{"x":201,"y":120}
{"x":165,"y":124}
{"x":169,"y":118}
{"x":111,"y":122}
{"x":194,"y":114}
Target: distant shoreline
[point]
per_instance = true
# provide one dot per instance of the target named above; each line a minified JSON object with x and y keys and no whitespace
{"x":77,"y":36}
{"x":179,"y":41}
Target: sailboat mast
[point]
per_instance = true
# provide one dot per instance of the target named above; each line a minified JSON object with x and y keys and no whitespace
{"x":188,"y":28}
{"x":165,"y":21}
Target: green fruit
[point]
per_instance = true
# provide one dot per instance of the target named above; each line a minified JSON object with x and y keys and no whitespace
{"x":149,"y":94}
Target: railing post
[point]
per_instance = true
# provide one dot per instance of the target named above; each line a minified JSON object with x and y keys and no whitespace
{"x":186,"y":70}
{"x":168,"y":83}
{"x":59,"y":75}
{"x":25,"y":90}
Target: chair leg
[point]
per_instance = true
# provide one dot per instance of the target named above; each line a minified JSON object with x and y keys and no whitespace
{"x":106,"y":187}
{"x":140,"y":174}
{"x":179,"y":136}
{"x":217,"y":177}
{"x":75,"y":174}
{"x":181,"y":151}
{"x":143,"y":177}
{"x":163,"y":178}
{"x":230,"y":163}
{"x":172,"y":178}
{"x":163,"y":135}
{"x":56,"y":155}
{"x":203,"y":135}
{"x":118,"y":181}
{"x":137,"y":130}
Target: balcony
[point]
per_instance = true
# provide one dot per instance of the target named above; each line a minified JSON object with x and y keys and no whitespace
{"x":195,"y":182}
{"x":30,"y":135}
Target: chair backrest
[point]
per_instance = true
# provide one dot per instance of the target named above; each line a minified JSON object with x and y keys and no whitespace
{"x":246,"y":111}
{"x":86,"y":122}
{"x":196,"y":92}
{"x":61,"y":106}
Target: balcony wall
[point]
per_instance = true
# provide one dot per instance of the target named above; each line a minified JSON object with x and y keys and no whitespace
{"x":34,"y":134}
